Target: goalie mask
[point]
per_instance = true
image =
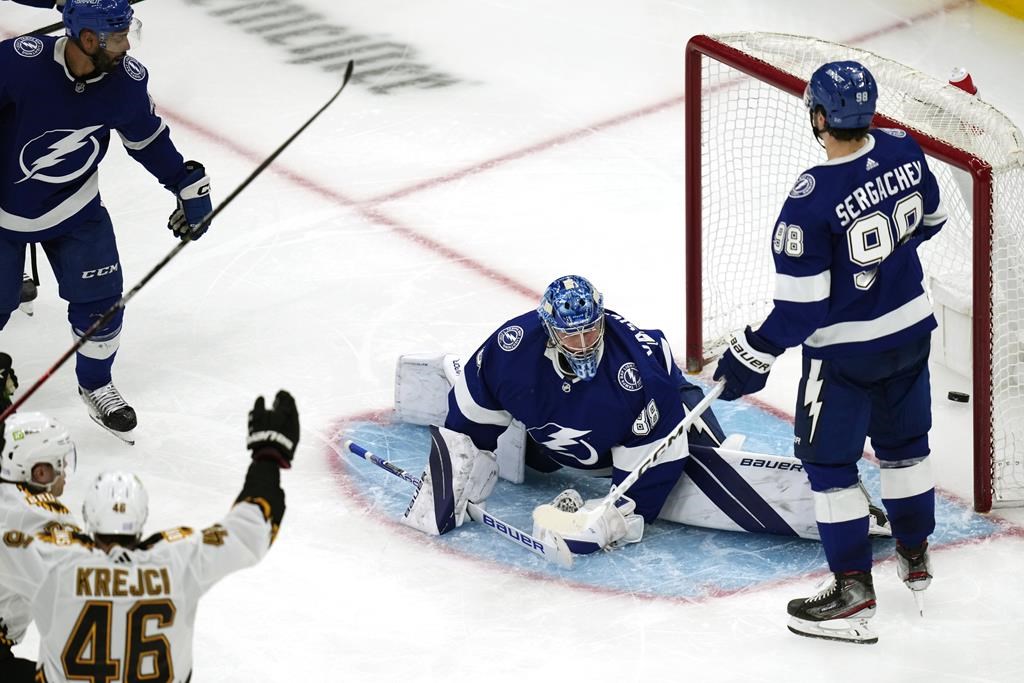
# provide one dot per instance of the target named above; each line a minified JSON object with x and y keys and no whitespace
{"x":32,"y":439}
{"x":116,"y":505}
{"x":572,"y":312}
{"x":846,"y":91}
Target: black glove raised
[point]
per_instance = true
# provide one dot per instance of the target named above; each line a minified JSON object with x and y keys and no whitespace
{"x":274,"y":433}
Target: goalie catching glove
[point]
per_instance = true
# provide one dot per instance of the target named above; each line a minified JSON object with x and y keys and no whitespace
{"x":457,"y":474}
{"x":616,"y":527}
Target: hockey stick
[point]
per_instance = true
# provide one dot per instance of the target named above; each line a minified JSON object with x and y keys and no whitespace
{"x":59,"y":25}
{"x":572,"y":523}
{"x":556,"y":551}
{"x":120,"y":304}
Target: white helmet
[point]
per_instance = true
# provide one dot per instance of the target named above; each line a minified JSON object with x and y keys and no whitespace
{"x":31,"y":439}
{"x":116,"y":504}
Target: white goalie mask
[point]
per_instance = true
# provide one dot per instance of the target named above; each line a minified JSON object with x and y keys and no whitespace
{"x":116,"y":504}
{"x":32,"y":439}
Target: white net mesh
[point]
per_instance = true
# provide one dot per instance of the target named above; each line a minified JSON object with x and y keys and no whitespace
{"x":755,"y":142}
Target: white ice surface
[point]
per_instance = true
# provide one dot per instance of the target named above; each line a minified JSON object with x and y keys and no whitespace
{"x":417,"y":221}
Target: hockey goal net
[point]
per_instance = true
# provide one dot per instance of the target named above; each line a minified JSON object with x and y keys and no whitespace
{"x":747,"y":140}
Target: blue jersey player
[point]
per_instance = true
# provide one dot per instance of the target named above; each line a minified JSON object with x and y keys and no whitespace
{"x":60,"y":99}
{"x":849,"y":289}
{"x":594,"y":392}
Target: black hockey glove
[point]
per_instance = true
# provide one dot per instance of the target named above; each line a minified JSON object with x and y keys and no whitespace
{"x":194,"y":203}
{"x":274,"y":433}
{"x":8,"y":380}
{"x":8,"y":383}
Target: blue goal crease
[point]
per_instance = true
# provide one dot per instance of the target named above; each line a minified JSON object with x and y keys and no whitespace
{"x":673,"y":560}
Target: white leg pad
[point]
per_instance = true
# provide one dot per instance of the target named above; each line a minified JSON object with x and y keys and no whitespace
{"x":456,"y":474}
{"x":422,"y":383}
{"x":511,"y":453}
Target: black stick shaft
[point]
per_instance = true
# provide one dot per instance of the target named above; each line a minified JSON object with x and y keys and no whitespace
{"x":120,"y":304}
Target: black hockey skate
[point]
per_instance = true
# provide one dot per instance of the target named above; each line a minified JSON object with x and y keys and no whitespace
{"x":28,"y":295}
{"x":109,"y":410}
{"x":839,"y":611}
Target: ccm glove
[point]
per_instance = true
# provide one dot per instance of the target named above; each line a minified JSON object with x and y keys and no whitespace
{"x":745,"y":364}
{"x":194,"y":203}
{"x":274,"y":433}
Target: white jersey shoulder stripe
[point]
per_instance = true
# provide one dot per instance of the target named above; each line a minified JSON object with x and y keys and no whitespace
{"x":802,"y":290}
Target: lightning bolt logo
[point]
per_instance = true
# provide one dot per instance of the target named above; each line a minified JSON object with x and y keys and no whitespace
{"x":566,"y":437}
{"x":812,"y":394}
{"x":699,"y":426}
{"x":70,"y":143}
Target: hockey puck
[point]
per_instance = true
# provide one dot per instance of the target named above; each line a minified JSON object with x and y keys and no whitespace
{"x":958,"y":396}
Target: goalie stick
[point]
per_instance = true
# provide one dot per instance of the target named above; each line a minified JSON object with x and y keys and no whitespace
{"x":120,"y":303}
{"x":565,"y":523}
{"x":556,"y":551}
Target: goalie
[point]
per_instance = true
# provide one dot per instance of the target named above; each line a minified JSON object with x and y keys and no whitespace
{"x":574,"y":385}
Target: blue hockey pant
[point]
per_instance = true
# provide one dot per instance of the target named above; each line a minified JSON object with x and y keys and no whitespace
{"x":86,"y":265}
{"x":883,"y":396}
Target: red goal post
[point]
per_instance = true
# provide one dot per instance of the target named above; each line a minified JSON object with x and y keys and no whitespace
{"x":747,"y":140}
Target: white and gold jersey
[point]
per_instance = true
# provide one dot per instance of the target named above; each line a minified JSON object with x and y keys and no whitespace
{"x":23,"y":509}
{"x":127,"y":615}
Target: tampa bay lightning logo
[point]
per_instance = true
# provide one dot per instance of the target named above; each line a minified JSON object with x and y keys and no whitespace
{"x":804,"y":186}
{"x":59,"y":156}
{"x":566,"y":441}
{"x":629,"y":377}
{"x":133,"y":68}
{"x":28,"y":46}
{"x":509,"y":338}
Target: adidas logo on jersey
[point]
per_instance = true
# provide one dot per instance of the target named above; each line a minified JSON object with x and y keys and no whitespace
{"x":871,"y":164}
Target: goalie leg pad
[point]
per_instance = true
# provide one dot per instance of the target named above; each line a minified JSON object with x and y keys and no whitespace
{"x":422,"y":383}
{"x":456,"y":473}
{"x":511,"y":453}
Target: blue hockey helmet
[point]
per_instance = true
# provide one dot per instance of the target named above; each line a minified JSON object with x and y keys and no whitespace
{"x":102,"y":17}
{"x":846,"y":91}
{"x":572,"y":313}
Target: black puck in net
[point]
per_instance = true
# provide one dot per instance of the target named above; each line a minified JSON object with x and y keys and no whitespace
{"x":958,"y":397}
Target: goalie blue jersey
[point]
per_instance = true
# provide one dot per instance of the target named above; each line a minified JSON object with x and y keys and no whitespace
{"x":55,"y":129}
{"x":605,"y":426}
{"x":848,"y":277}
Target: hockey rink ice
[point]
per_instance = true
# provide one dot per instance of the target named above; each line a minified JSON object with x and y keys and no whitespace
{"x":484,"y":149}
